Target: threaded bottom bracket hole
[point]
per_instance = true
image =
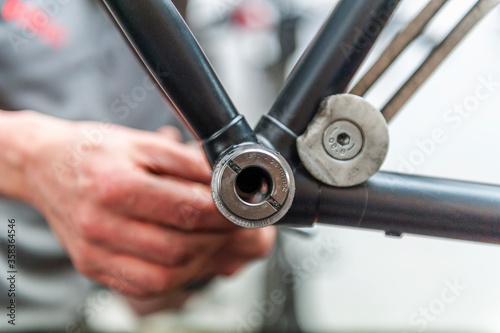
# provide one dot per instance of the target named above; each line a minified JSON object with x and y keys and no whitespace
{"x":253,"y":185}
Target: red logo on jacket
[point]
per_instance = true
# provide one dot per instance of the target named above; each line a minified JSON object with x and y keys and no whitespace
{"x":34,"y":22}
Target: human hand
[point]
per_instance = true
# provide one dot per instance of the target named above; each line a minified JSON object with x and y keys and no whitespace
{"x":132,"y":208}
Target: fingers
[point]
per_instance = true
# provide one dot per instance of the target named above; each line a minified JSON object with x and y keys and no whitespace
{"x":114,"y":282}
{"x":165,"y":200}
{"x":174,"y":300}
{"x":135,"y":277}
{"x":142,"y":260}
{"x":170,"y":132}
{"x":153,"y":243}
{"x":251,"y":243}
{"x":245,"y":245}
{"x":229,"y":266}
{"x":169,"y":157}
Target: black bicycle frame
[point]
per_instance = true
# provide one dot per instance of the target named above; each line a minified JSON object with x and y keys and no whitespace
{"x":167,"y":48}
{"x":396,"y":203}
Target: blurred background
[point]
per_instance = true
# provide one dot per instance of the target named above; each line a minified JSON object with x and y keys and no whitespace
{"x":343,"y":279}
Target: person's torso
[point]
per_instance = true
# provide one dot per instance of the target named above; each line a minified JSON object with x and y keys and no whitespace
{"x":66,"y":59}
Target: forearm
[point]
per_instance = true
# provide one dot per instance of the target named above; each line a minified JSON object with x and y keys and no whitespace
{"x":19,"y":140}
{"x":14,"y":139}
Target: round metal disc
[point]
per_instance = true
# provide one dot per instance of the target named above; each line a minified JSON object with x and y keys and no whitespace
{"x":346,"y":143}
{"x":273,"y":205}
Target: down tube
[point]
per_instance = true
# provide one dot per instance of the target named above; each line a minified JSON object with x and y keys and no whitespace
{"x":326,"y":68}
{"x":166,"y":46}
{"x":398,"y":203}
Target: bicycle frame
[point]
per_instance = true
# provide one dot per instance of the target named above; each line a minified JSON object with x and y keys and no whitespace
{"x":395,"y":203}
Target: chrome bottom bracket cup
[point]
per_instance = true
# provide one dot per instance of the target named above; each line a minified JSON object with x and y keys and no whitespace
{"x":253,"y":186}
